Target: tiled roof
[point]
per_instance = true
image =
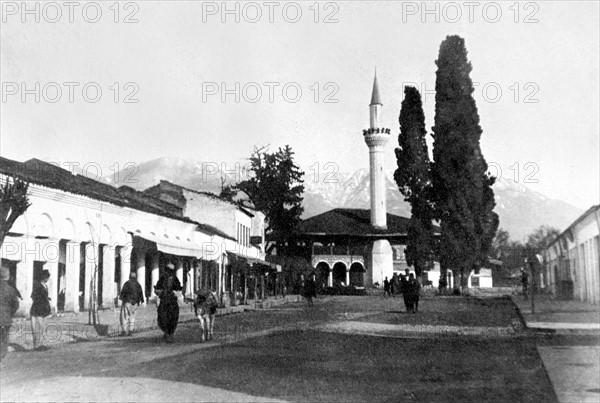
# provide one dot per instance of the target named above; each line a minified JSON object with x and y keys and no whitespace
{"x":42,"y":173}
{"x":168,"y":187}
{"x":589,"y":211}
{"x":354,"y":222}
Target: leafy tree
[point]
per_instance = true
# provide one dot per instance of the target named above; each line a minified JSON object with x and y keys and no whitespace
{"x":540,"y":238}
{"x":13,"y":203}
{"x":536,"y":243}
{"x":501,"y":244}
{"x":275,"y":188}
{"x":510,"y":253}
{"x":463,"y":195}
{"x":413,"y":179}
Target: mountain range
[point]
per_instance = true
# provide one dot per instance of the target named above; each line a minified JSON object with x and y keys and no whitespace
{"x":520,"y":209}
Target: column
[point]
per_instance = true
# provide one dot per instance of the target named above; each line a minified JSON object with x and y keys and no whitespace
{"x":155,"y":273}
{"x":108,"y":276}
{"x":51,"y":253}
{"x":141,"y":271}
{"x":330,"y":278}
{"x":347,"y":276}
{"x":72,"y":262}
{"x":126,"y":263}
{"x":91,"y":265}
{"x":24,"y":283}
{"x":179,"y":273}
{"x":191,"y":286}
{"x":380,"y":261}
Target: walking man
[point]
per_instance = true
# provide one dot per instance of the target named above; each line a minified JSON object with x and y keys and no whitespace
{"x":40,"y":308}
{"x":9,"y":303}
{"x":310,"y":289}
{"x":414,"y":290}
{"x":131,"y":296}
{"x":168,"y":310}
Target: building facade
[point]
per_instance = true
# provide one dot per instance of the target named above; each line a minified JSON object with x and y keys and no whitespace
{"x":90,"y":236}
{"x":571,"y":262}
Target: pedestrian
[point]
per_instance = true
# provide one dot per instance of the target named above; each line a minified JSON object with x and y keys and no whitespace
{"x":168,"y":308}
{"x":131,"y":296}
{"x":397,"y":280}
{"x":525,"y":283}
{"x":9,"y":303}
{"x":386,"y":287}
{"x":414,"y":289}
{"x":40,"y":308}
{"x":404,"y":291}
{"x":310,"y":289}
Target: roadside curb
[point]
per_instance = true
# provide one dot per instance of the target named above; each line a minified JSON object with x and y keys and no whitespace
{"x":573,"y":331}
{"x":519,"y":313}
{"x":63,"y":330}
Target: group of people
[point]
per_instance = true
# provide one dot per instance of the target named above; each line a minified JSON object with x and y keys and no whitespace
{"x":205,"y":305}
{"x":407,"y":285}
{"x":9,"y":304}
{"x":131,"y":295}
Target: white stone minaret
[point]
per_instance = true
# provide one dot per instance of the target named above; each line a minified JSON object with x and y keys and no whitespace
{"x":376,"y":137}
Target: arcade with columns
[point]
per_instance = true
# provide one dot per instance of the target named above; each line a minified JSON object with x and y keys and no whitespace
{"x":89,"y":240}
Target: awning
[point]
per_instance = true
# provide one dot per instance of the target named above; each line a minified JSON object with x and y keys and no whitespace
{"x":173,"y":246}
{"x":252,"y":261}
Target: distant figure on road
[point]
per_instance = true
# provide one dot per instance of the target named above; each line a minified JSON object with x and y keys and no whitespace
{"x":168,"y":310}
{"x":9,"y":303}
{"x":386,"y":287}
{"x":40,"y":308}
{"x":395,"y":285}
{"x":310,"y":290}
{"x":413,"y":291}
{"x":132,"y":296}
{"x":525,"y":283}
{"x":404,"y":289}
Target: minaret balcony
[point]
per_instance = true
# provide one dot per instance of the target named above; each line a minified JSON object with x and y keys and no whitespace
{"x":375,"y":130}
{"x":376,"y":137}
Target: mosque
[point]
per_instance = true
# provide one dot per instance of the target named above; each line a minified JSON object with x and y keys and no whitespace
{"x":359,"y":247}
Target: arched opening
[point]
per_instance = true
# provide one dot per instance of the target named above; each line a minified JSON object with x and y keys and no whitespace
{"x":322,"y":274}
{"x":357,"y":275}
{"x":339,"y":274}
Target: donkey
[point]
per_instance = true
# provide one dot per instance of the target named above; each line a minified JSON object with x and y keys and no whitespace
{"x":205,"y":308}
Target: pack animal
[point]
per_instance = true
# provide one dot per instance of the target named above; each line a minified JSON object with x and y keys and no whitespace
{"x":205,"y":308}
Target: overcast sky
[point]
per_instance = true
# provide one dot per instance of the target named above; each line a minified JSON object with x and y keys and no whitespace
{"x":538,"y":93}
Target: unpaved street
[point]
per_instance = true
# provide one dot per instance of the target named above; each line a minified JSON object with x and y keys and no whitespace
{"x":342,"y":349}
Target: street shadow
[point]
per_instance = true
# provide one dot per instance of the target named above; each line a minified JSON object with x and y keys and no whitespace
{"x":280,"y":365}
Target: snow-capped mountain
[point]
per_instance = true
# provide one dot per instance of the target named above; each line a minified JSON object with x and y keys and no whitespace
{"x":521,"y":210}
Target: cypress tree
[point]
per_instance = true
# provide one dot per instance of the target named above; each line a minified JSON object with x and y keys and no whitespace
{"x":413,"y":179}
{"x":463,"y":194}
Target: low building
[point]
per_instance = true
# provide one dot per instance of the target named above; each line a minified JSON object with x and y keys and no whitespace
{"x":90,"y":236}
{"x":571,"y":264}
{"x":339,"y":242}
{"x":244,"y":277}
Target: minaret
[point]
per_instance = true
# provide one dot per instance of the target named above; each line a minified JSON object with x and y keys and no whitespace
{"x":376,"y":138}
{"x":380,"y":262}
